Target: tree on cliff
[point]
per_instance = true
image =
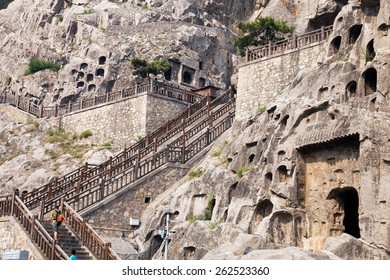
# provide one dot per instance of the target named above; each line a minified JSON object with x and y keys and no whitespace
{"x":260,"y":32}
{"x":143,"y":68}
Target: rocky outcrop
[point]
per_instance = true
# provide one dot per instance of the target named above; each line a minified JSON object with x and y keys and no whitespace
{"x":93,"y":42}
{"x":309,"y":171}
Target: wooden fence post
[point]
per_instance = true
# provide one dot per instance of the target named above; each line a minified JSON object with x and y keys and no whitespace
{"x":106,"y":250}
{"x":294,"y":38}
{"x":56,"y":110}
{"x":110,"y":167}
{"x":53,"y":249}
{"x":155,"y":145}
{"x":102,"y":188}
{"x":167,"y":153}
{"x":269,"y":48}
{"x":17,"y":101}
{"x":40,"y":111}
{"x":41,"y":210}
{"x":31,"y":230}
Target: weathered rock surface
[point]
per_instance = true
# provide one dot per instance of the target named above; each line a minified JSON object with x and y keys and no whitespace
{"x":278,"y":185}
{"x":310,"y":171}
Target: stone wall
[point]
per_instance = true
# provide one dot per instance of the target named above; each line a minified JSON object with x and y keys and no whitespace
{"x":114,"y":217}
{"x":259,"y":82}
{"x":122,"y":122}
{"x":160,"y":109}
{"x":14,"y":238}
{"x":14,"y":114}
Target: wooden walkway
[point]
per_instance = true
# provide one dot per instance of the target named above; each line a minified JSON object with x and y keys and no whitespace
{"x":292,"y":44}
{"x":25,"y":104}
{"x":177,"y":141}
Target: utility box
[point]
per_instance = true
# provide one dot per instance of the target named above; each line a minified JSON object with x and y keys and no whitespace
{"x":15,"y":255}
{"x":134,"y":222}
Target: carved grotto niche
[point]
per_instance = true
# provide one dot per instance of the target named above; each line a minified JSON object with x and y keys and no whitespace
{"x":350,"y":90}
{"x":262,"y":210}
{"x":369,"y":81}
{"x":189,"y":252}
{"x":354,"y":33}
{"x":282,"y":229}
{"x":335,"y":45}
{"x":330,"y":168}
{"x":344,"y":211}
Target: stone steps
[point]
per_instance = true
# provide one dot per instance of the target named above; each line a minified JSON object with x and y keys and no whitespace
{"x":67,"y":241}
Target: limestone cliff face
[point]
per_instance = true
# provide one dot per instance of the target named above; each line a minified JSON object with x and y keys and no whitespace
{"x":309,"y":172}
{"x":93,"y":41}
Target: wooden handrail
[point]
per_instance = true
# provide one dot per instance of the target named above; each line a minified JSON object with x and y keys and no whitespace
{"x":70,"y":180}
{"x":5,"y":205}
{"x":128,"y":172}
{"x":106,"y":181}
{"x":26,"y":105}
{"x":88,"y":237}
{"x":36,"y":231}
{"x":282,"y":46}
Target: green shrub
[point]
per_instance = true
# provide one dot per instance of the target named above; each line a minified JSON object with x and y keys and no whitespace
{"x":106,"y":144}
{"x":36,"y":65}
{"x":260,"y":32}
{"x":262,"y":109}
{"x":217,"y":152}
{"x":34,"y":122}
{"x":207,"y":213}
{"x":240,"y":172}
{"x":196,"y":173}
{"x":85,"y":134}
{"x":10,"y":157}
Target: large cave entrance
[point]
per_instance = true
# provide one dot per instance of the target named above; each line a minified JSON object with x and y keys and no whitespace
{"x":346,"y":210}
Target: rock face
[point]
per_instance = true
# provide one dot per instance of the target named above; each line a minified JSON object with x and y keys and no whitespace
{"x":94,"y":41}
{"x":310,"y":171}
{"x":306,"y":178}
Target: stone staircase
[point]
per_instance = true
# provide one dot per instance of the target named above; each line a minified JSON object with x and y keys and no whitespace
{"x":67,"y":241}
{"x":177,"y":141}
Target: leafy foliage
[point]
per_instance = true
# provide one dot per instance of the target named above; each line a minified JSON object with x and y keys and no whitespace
{"x":36,"y":65}
{"x":260,"y":32}
{"x":143,"y":68}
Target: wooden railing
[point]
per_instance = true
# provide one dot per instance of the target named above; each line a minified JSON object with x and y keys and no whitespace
{"x":96,"y":189}
{"x":89,"y":185}
{"x":296,"y":42}
{"x":5,"y":205}
{"x":13,"y":206}
{"x":25,"y":104}
{"x":81,"y":176}
{"x":87,"y":236}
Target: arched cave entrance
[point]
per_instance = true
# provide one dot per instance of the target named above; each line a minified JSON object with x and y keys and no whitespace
{"x":187,"y":77}
{"x":263,"y":209}
{"x":347,"y":208}
{"x":354,"y":33}
{"x":370,"y":81}
{"x":335,"y":45}
{"x":350,"y":90}
{"x":370,"y":51}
